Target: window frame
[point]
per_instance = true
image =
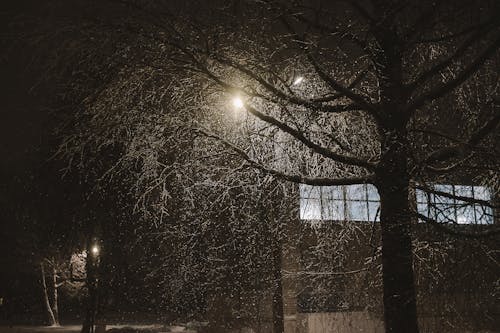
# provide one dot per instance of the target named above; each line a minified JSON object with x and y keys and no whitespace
{"x":455,"y":205}
{"x":341,"y":196}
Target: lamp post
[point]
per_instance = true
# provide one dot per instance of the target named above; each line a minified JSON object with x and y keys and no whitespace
{"x":92,"y":266}
{"x":278,"y":308}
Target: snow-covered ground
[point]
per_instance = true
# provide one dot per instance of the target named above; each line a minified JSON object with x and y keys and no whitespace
{"x":40,"y":329}
{"x":64,"y":329}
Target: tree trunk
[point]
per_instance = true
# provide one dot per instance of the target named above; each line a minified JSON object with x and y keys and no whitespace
{"x":50,"y":313}
{"x":55,"y":306}
{"x":400,"y":312}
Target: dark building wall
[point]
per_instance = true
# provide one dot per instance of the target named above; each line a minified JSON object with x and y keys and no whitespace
{"x":456,"y":277}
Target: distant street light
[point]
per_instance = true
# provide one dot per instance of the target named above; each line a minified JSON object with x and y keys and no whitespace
{"x":95,"y":250}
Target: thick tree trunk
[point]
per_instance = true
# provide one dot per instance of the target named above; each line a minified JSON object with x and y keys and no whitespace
{"x":50,"y":313}
{"x":400,"y":312}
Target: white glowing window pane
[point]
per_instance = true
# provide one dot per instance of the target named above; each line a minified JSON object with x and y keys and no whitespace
{"x":335,"y":203}
{"x":423,"y":209}
{"x":373,"y":211}
{"x":444,"y":209}
{"x":444,"y":188}
{"x":333,"y":210}
{"x":358,"y":211}
{"x":443,"y":212}
{"x":441,"y":198}
{"x":304,"y":191}
{"x":465,"y":215}
{"x":310,"y":209}
{"x":484,"y":215}
{"x":372,"y":193}
{"x":463,"y":191}
{"x":459,"y":204}
{"x":309,"y":191}
{"x":332,"y":192}
{"x":422,"y":197}
{"x":356,"y":192}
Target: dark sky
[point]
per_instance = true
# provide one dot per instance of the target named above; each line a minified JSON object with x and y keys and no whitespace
{"x":26,"y":174}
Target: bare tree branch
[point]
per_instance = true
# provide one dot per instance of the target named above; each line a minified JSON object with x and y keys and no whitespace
{"x":337,"y":86}
{"x":460,"y":51}
{"x":458,"y":150}
{"x":444,"y":227}
{"x":287,"y":97}
{"x":293,"y":178}
{"x":345,"y":34}
{"x":470,"y":200}
{"x":352,"y":85}
{"x":451,"y":167}
{"x":446,"y":87}
{"x":308,"y":143}
{"x":358,"y":99}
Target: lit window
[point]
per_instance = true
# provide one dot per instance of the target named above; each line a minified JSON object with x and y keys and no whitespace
{"x":445,"y":209}
{"x":349,"y":202}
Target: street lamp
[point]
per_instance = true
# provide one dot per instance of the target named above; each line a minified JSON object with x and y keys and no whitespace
{"x":95,"y":250}
{"x":298,"y":80}
{"x":237,"y":102}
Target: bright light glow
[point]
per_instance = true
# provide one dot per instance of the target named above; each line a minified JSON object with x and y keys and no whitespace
{"x":298,"y":80}
{"x":95,"y":250}
{"x":237,"y":102}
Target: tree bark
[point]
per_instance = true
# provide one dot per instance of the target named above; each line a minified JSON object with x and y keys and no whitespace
{"x":50,"y":313}
{"x":400,"y":311}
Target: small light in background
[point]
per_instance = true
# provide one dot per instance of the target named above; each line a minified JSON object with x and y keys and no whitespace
{"x":95,"y":250}
{"x":298,"y":80}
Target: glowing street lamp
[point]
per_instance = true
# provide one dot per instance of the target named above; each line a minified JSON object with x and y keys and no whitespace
{"x":238,"y":103}
{"x":95,"y":250}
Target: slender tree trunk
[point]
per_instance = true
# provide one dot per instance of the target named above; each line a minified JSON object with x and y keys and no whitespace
{"x":50,"y":313}
{"x":55,"y":300}
{"x":400,"y":312}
